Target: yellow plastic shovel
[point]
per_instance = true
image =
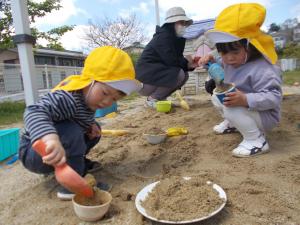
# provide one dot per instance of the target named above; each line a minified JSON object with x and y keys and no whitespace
{"x":176,"y":131}
{"x":115,"y":132}
{"x":183,"y":103}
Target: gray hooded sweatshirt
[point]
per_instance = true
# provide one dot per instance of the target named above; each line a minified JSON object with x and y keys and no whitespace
{"x":261,"y":82}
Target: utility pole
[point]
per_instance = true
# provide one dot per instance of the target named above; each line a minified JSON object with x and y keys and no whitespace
{"x":24,"y":41}
{"x":157,"y":13}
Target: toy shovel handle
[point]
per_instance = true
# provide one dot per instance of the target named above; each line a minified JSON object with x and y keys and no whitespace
{"x":179,"y":96}
{"x":40,"y":147}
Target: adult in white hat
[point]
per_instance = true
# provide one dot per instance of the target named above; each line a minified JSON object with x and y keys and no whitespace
{"x":162,"y":68}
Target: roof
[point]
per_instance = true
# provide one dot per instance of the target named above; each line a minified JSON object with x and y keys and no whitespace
{"x":198,"y":28}
{"x":63,"y":53}
{"x":42,"y":51}
{"x":135,"y":45}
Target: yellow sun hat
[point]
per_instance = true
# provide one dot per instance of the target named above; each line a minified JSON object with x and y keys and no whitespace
{"x":243,"y":21}
{"x":108,"y":65}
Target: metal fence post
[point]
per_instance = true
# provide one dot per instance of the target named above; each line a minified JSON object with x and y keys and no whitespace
{"x":47,"y":76}
{"x":24,"y":40}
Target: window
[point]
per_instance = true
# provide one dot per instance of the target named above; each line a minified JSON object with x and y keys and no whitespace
{"x":65,"y":62}
{"x":42,"y":60}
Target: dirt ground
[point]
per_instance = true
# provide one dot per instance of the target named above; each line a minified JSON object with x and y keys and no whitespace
{"x":260,"y":190}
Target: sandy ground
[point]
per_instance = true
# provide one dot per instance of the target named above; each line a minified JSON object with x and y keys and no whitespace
{"x":260,"y":190}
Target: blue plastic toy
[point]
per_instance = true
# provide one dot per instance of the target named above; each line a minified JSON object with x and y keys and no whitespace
{"x":104,"y":111}
{"x":216,"y":72}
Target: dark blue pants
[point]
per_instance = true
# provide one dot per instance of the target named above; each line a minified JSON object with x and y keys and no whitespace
{"x":74,"y":141}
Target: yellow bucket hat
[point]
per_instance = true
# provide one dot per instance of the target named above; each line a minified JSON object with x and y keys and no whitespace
{"x":108,"y":65}
{"x":243,"y":21}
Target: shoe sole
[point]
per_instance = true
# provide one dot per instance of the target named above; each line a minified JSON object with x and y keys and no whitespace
{"x":248,"y":156}
{"x":63,"y":197}
{"x":148,"y":106}
{"x":234,"y":132}
{"x":231,"y":132}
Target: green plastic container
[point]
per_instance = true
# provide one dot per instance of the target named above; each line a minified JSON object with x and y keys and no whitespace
{"x":163,"y":106}
{"x":9,"y":142}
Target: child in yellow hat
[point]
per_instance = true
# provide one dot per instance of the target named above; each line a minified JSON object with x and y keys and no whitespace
{"x":248,"y":58}
{"x":64,"y":118}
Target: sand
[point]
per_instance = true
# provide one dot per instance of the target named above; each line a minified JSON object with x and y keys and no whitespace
{"x":182,"y":199}
{"x":99,"y":198}
{"x":260,"y":190}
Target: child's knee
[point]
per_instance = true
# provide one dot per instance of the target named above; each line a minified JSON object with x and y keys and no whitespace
{"x":232,"y":113}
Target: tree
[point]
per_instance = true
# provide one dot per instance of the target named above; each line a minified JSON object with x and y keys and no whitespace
{"x":274,"y":28}
{"x":291,"y":50}
{"x":35,"y":10}
{"x":119,"y":33}
{"x":134,"y":57}
{"x":290,"y":23}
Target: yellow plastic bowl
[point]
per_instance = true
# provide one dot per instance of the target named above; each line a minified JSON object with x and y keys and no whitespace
{"x":163,"y":106}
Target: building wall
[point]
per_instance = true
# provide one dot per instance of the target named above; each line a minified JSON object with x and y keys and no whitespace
{"x":42,"y":59}
{"x":9,"y":55}
{"x":47,"y":77}
{"x":197,"y":77}
{"x":132,"y":50}
{"x":296,"y":35}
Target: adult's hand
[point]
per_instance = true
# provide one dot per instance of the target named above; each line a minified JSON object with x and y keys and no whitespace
{"x":205,"y":59}
{"x":192,"y":63}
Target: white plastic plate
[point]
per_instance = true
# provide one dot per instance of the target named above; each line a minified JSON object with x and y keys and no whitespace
{"x":141,"y":196}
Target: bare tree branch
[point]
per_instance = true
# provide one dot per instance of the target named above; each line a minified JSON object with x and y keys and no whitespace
{"x":120,"y":32}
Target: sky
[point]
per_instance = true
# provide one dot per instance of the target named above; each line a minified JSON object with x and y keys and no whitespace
{"x":79,"y":12}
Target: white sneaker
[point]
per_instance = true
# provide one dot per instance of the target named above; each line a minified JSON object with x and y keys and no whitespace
{"x":251,"y":148}
{"x":224,"y":128}
{"x":151,"y":102}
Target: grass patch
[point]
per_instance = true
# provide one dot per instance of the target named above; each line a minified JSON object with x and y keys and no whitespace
{"x":290,"y":77}
{"x":11,"y":112}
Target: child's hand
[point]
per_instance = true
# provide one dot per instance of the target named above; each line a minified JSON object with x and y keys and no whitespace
{"x":56,"y":155}
{"x":94,"y":131}
{"x":236,"y":98}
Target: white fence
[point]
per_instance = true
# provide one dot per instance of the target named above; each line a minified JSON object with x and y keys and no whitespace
{"x":289,"y":64}
{"x":11,"y":81}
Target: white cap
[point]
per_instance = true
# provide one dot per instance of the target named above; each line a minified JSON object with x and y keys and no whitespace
{"x":126,"y":86}
{"x":177,"y":14}
{"x":220,"y":37}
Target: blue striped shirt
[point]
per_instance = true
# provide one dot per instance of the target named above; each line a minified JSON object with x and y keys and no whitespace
{"x":55,"y":107}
